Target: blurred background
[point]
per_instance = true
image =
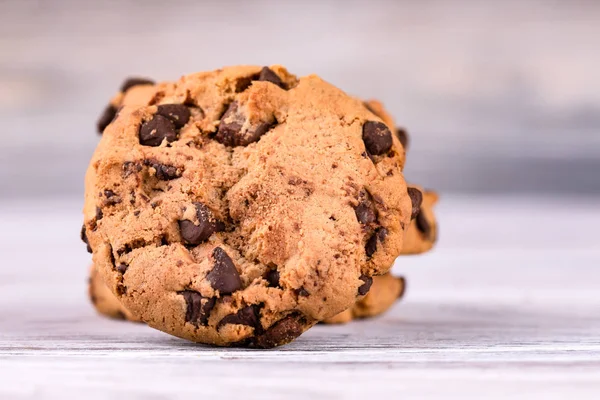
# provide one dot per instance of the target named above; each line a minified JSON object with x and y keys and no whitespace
{"x":498,"y":96}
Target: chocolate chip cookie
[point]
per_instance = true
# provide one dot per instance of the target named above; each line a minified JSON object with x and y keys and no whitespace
{"x":241,"y":206}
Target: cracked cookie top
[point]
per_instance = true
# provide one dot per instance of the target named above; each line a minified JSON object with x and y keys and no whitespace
{"x":243,"y":205}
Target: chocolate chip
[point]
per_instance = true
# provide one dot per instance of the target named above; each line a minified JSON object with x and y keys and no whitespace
{"x":163,"y":172}
{"x":402,"y":137}
{"x":207,"y":225}
{"x":402,"y":286}
{"x":122,"y":268}
{"x":282,"y":332}
{"x":192,"y":234}
{"x":111,"y":198}
{"x":371,"y":246}
{"x":134,"y":81}
{"x":84,"y":239}
{"x":248,"y":315}
{"x":230,"y":128}
{"x":159,"y":128}
{"x":267,"y":74}
{"x":302,"y":292}
{"x":166,"y":172}
{"x":379,"y":236}
{"x":198,"y":307}
{"x":273,"y":278}
{"x":377,"y":137}
{"x":178,"y":114}
{"x":99,"y":214}
{"x":416,"y":198}
{"x":107,"y":116}
{"x":365,"y":211}
{"x":364,"y":288}
{"x":224,"y":277}
{"x":423,"y":224}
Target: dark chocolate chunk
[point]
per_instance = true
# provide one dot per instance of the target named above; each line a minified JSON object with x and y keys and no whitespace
{"x":135,"y":81}
{"x":273,"y":278}
{"x":267,"y":74}
{"x":122,"y":268}
{"x":178,"y":114}
{"x":249,"y":315}
{"x":84,"y":239}
{"x":416,"y":197}
{"x":377,"y":137}
{"x":402,"y":137}
{"x":230,"y":132}
{"x":164,"y":172}
{"x":366,"y":213}
{"x":379,"y":236}
{"x":224,"y":277}
{"x":207,"y":225}
{"x":230,"y":126}
{"x":302,"y":292}
{"x":371,"y":246}
{"x":198,"y":307}
{"x":99,"y":214}
{"x":107,"y":116}
{"x":423,"y":224}
{"x":364,"y":288}
{"x":159,"y":128}
{"x":282,"y":332}
{"x":111,"y":198}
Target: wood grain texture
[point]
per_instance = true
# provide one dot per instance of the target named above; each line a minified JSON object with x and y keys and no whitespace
{"x":506,"y":306}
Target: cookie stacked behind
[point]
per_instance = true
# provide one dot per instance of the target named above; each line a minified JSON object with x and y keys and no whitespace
{"x":244,"y":205}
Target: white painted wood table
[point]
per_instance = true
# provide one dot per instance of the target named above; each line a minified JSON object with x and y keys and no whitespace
{"x":508,"y":305}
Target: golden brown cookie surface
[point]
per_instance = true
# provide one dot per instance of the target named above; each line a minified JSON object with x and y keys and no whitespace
{"x":241,"y":206}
